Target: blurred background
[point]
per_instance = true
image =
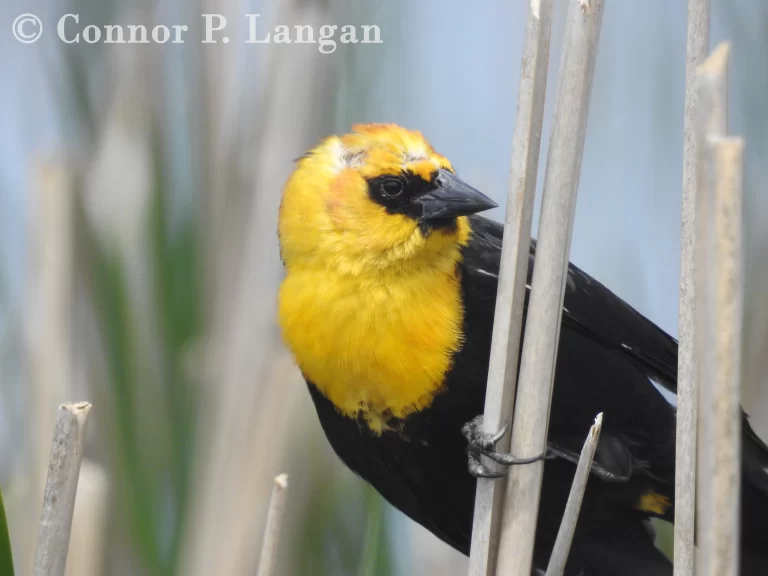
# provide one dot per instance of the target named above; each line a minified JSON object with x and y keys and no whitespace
{"x":139,"y":187}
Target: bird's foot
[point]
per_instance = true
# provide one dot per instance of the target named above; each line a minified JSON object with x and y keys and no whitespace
{"x":478,"y":469}
{"x":477,"y":438}
{"x":480,"y":443}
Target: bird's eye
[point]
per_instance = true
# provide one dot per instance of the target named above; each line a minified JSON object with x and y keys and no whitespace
{"x":392,"y":187}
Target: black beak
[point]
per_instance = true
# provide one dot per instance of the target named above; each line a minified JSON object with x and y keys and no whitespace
{"x":452,"y":198}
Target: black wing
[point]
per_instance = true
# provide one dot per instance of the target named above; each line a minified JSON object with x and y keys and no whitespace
{"x":589,"y":307}
{"x":611,"y":359}
{"x":612,"y":329}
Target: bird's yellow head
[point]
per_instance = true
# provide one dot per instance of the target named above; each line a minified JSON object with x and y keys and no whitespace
{"x":379,"y":198}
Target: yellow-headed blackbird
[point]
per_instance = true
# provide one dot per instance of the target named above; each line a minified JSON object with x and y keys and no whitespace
{"x":387,"y":306}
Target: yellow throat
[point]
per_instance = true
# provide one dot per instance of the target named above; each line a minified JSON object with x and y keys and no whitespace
{"x":378,"y":344}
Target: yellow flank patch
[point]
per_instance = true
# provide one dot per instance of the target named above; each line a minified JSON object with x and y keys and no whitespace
{"x":653,"y":503}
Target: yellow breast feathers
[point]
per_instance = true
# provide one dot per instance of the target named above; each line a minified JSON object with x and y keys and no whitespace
{"x":377,"y":348}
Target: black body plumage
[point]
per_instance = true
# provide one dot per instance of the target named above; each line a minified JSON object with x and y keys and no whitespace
{"x":612,"y":360}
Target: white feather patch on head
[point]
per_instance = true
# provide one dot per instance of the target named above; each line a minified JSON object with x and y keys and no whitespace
{"x":415,"y":156}
{"x":346,"y":157}
{"x":353,"y":158}
{"x":416,"y":152}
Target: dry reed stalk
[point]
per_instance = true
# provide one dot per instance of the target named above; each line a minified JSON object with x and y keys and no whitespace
{"x":531,"y":416}
{"x":687,"y":394}
{"x":562,"y":547}
{"x":712,"y":109}
{"x":61,"y":489}
{"x":505,"y":345}
{"x":271,"y":540}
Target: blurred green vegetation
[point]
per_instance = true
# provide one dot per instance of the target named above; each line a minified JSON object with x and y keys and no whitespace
{"x":330,"y":536}
{"x":6,"y":558}
{"x":154,"y":477}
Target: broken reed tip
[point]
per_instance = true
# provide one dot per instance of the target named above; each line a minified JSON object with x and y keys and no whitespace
{"x":281,"y":481}
{"x":716,"y":62}
{"x":594,"y":432}
{"x":77,"y":410}
{"x":76,"y":406}
{"x":536,"y":9}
